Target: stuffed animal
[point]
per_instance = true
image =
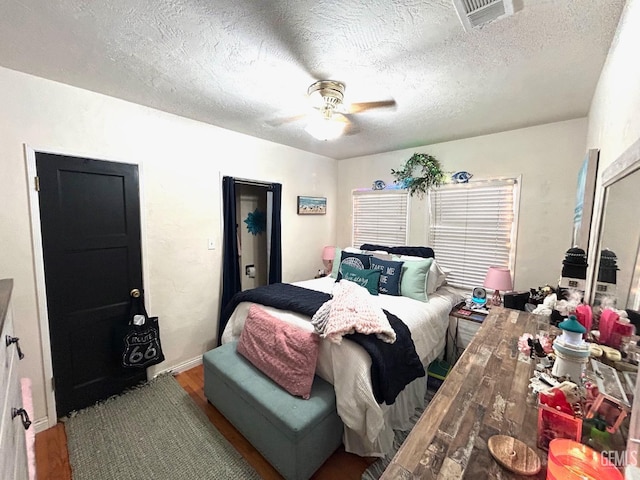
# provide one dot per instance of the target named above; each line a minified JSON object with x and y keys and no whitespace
{"x":563,"y":398}
{"x":547,"y":305}
{"x":568,"y":307}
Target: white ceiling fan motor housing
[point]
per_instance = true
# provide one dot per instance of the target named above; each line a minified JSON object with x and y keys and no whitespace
{"x":326,"y":95}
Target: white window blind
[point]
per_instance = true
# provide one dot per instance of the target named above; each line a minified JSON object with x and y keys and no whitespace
{"x":380,"y":217}
{"x":473,"y":227}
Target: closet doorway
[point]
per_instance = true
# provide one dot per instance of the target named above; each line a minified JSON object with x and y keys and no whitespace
{"x":253,"y":238}
{"x":251,"y":243}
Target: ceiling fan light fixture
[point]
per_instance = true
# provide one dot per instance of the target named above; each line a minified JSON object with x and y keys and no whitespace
{"x":322,"y":128}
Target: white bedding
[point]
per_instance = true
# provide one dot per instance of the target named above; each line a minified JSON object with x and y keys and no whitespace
{"x":369,"y":425}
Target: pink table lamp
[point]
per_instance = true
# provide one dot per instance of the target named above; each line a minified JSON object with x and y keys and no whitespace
{"x":498,"y":278}
{"x":327,"y":258}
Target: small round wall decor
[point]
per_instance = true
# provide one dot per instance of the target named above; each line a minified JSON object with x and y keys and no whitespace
{"x":256,"y":222}
{"x":378,"y":185}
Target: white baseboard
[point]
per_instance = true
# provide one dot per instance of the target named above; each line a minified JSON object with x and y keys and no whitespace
{"x":186,"y":365}
{"x":41,"y":424}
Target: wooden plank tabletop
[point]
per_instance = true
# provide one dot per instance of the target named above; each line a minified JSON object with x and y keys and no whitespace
{"x":485,"y":394}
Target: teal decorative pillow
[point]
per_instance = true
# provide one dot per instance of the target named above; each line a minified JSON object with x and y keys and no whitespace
{"x":390,"y":274}
{"x":355,"y":260}
{"x":368,"y":279}
{"x":413,"y":283}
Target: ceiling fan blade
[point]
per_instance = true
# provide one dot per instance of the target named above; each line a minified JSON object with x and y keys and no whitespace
{"x":363,"y":106}
{"x":277,"y":122}
{"x":351,"y":124}
{"x":351,"y":129}
{"x":282,"y":34}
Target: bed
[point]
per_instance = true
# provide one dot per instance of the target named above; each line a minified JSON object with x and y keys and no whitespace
{"x":368,"y":424}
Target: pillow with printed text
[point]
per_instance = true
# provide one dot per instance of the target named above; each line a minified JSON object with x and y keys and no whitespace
{"x":390,"y":275}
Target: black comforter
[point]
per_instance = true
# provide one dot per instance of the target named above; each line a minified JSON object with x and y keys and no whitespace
{"x":393,"y":365}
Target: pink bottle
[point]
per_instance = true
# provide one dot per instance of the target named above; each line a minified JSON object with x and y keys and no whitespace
{"x":608,"y":319}
{"x":585,"y":317}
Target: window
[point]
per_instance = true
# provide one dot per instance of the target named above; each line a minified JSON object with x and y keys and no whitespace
{"x":380,"y":217}
{"x":473,"y":227}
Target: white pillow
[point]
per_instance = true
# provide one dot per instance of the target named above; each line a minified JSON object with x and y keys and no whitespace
{"x":409,"y":257}
{"x":382,"y":255}
{"x":437,"y":277}
{"x":353,"y":250}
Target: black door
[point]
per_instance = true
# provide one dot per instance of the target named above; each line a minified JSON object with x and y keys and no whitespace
{"x":90,"y":219}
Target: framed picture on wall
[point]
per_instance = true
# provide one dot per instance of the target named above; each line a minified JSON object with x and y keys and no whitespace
{"x":312,"y":205}
{"x":585,"y":194}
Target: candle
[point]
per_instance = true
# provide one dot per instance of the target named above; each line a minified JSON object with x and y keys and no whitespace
{"x":570,"y":460}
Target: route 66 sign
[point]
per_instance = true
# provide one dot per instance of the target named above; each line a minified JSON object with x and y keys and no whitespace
{"x":142,"y":345}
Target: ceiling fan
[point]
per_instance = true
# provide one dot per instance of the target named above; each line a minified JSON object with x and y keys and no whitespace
{"x":331,"y":121}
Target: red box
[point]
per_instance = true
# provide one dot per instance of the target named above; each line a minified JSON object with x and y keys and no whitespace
{"x":555,"y":424}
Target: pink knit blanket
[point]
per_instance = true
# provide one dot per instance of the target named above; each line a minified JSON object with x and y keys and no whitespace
{"x":351,"y":310}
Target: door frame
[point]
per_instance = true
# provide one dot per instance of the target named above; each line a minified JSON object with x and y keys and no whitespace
{"x":38,"y":263}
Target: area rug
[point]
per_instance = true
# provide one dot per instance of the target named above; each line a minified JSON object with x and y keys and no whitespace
{"x":153,"y":432}
{"x":374,"y":471}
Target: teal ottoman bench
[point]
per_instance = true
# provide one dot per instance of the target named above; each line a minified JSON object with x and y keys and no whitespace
{"x":296,"y":436}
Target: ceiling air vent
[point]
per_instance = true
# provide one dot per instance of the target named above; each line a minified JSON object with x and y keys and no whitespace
{"x":475,"y":13}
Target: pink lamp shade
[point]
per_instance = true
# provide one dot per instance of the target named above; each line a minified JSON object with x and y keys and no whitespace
{"x":498,"y":278}
{"x":328,"y":253}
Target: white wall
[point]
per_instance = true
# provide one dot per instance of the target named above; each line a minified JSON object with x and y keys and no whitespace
{"x":181,"y":162}
{"x":548,"y":157}
{"x":614,"y":117}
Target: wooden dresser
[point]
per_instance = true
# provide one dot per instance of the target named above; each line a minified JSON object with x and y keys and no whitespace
{"x":484,"y":394}
{"x":14,"y":420}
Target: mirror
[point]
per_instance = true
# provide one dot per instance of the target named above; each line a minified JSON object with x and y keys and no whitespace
{"x":617,"y":267}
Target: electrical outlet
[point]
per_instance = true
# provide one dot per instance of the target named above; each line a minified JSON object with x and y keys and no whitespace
{"x":212,"y":244}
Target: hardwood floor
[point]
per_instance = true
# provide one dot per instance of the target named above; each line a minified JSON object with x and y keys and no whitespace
{"x":52,"y":459}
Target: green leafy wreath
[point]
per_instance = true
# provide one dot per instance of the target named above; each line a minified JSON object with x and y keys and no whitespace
{"x":429,"y":174}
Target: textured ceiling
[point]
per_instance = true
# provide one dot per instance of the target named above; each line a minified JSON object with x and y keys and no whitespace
{"x":246,"y":65}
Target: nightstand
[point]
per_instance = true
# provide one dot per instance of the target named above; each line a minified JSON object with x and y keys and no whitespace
{"x":463,"y":325}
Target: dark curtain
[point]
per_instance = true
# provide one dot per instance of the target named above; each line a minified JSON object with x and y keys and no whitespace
{"x":275,"y":260}
{"x":230,"y":259}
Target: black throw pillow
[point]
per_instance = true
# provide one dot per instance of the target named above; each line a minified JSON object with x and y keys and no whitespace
{"x":355,"y":260}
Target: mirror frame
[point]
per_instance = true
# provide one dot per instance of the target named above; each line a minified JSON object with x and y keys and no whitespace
{"x":627,"y":163}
